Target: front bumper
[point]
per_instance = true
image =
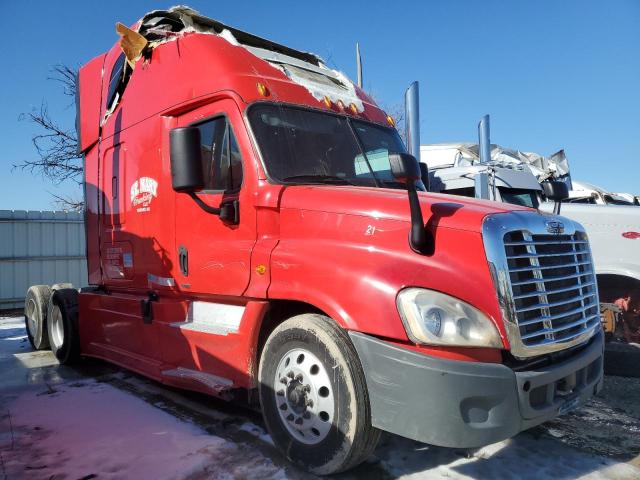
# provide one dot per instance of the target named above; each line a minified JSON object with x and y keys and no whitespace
{"x":470,"y":404}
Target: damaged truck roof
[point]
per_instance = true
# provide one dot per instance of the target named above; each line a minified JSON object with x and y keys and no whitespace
{"x":160,"y":27}
{"x":157,"y":25}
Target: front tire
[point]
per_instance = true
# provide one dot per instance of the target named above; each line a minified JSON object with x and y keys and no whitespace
{"x":35,"y":316}
{"x":314,"y":396}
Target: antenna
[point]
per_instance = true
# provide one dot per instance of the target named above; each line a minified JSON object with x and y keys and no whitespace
{"x":359,"y":64}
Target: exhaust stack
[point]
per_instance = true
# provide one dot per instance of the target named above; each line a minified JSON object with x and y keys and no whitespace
{"x":412,"y":120}
{"x":359,"y":64}
{"x":484,"y":140}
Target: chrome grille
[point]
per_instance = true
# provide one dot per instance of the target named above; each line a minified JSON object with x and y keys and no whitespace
{"x":554,"y":291}
{"x":544,"y":280}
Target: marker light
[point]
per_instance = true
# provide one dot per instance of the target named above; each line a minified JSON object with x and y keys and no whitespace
{"x":353,"y":108}
{"x":340,"y":104}
{"x":391,"y":121}
{"x":262,"y":89}
{"x":327,"y":101}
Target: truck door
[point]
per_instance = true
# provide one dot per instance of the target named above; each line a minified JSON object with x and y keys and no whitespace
{"x":213,"y":257}
{"x":123,"y":329}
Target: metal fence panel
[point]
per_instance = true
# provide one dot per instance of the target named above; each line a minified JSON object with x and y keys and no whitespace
{"x":39,"y":248}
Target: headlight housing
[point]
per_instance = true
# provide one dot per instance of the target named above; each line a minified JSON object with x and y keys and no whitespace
{"x":434,"y":318}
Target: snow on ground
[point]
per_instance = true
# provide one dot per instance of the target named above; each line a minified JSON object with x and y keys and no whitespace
{"x":93,"y":429}
{"x":83,"y":427}
{"x":57,"y":422}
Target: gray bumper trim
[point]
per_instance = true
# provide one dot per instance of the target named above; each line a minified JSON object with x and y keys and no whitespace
{"x":469,"y":404}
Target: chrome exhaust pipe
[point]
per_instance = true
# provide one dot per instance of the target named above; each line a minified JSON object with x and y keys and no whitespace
{"x":484,"y":140}
{"x":412,"y":120}
{"x":359,"y":64}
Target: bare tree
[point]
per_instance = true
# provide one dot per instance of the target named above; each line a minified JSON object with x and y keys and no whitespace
{"x":56,"y":146}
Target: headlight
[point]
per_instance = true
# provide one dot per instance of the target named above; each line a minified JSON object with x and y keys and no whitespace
{"x":435,"y":318}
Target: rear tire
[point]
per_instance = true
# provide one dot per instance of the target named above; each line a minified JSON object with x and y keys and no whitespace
{"x":35,"y":316}
{"x":314,"y":397}
{"x":63,"y":325}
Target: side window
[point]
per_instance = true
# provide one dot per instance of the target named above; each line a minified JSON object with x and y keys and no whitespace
{"x":117,"y":82}
{"x":221,"y":160}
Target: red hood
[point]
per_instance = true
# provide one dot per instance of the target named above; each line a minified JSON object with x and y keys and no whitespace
{"x":451,"y":211}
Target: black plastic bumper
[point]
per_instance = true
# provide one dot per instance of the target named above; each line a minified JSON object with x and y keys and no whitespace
{"x":470,"y":404}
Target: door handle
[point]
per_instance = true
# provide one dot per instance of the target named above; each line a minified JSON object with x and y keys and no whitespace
{"x":146,"y":307}
{"x":183,"y":260}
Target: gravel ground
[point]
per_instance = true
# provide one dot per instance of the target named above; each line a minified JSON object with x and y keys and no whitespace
{"x":609,"y":425}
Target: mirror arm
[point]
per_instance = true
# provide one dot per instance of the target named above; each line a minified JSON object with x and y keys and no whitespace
{"x":204,"y":206}
{"x":229,"y":212}
{"x":418,"y":234}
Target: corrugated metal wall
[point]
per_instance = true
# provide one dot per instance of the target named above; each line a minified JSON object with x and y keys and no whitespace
{"x":39,"y":248}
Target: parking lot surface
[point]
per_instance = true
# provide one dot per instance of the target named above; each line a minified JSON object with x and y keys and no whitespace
{"x":99,"y":421}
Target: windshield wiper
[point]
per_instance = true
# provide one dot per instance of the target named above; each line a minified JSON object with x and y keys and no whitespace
{"x":330,"y":179}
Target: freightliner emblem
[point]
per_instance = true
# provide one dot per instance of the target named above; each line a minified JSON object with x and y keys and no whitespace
{"x":553,"y":226}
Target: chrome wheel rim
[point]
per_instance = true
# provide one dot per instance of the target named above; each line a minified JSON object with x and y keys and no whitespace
{"x":304,"y":396}
{"x":57,"y":329}
{"x":32,"y":324}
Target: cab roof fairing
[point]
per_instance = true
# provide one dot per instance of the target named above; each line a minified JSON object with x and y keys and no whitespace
{"x":302,"y":68}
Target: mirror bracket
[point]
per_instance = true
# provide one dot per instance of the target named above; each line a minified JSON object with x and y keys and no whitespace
{"x":203,"y":205}
{"x":556,"y":191}
{"x":229,"y":212}
{"x":406,"y":169}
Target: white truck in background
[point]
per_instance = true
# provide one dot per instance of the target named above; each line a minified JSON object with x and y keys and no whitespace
{"x":588,"y":193}
{"x":495,"y":173}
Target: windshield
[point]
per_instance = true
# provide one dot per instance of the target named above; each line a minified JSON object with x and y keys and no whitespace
{"x":516,"y":196}
{"x":307,"y":146}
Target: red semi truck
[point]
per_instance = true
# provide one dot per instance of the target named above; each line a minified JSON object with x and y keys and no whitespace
{"x":254,"y":224}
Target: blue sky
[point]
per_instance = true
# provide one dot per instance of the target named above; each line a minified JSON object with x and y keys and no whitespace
{"x":552,"y":74}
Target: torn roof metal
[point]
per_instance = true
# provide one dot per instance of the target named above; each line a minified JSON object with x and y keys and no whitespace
{"x":555,"y":165}
{"x":160,"y":24}
{"x":305,"y":69}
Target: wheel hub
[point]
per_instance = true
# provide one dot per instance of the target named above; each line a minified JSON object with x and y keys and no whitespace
{"x":297,"y":397}
{"x":57,"y":329}
{"x":304,"y":396}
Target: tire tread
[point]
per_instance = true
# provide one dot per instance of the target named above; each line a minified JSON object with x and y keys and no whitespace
{"x":41,"y":295}
{"x":365,"y":437}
